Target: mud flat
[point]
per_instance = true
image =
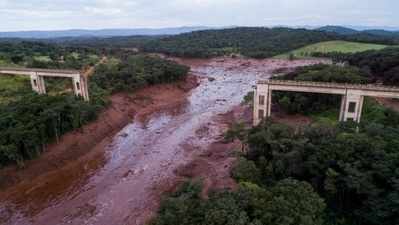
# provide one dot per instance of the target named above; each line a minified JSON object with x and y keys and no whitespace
{"x":115,"y":170}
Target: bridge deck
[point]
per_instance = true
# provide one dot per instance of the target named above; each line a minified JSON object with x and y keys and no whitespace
{"x":40,"y":72}
{"x":28,"y":70}
{"x":310,"y":84}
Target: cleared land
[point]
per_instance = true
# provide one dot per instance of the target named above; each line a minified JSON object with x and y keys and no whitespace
{"x":332,"y":46}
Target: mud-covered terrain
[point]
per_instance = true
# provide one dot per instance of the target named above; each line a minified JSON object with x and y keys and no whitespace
{"x":115,"y":170}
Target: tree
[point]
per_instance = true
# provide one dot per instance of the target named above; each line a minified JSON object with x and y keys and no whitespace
{"x":289,"y":202}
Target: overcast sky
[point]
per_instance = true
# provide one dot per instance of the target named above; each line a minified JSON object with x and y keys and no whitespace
{"x":97,"y":14}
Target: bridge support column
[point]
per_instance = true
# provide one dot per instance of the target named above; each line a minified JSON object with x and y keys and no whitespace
{"x":80,"y":87}
{"x":351,"y":107}
{"x":37,"y":83}
{"x":262,"y":103}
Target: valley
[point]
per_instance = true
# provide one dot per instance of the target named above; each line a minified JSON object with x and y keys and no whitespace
{"x":120,"y":178}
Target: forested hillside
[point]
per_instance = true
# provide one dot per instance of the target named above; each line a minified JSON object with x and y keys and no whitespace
{"x":137,"y":71}
{"x":43,"y":55}
{"x":256,"y":42}
{"x":251,"y":42}
{"x":367,"y":32}
{"x":382,"y":66}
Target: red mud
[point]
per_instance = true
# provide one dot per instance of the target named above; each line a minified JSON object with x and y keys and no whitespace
{"x":115,"y":170}
{"x":83,"y":149}
{"x":390,"y":103}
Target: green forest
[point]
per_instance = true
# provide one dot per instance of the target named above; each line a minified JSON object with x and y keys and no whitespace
{"x":380,"y":65}
{"x":29,"y":121}
{"x":256,"y":42}
{"x":251,"y":42}
{"x":42,"y":55}
{"x":319,"y":174}
{"x":137,"y":71}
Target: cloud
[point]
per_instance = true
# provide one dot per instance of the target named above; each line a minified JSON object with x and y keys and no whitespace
{"x":65,"y":14}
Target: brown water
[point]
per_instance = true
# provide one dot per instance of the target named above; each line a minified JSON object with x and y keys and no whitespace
{"x":123,"y":185}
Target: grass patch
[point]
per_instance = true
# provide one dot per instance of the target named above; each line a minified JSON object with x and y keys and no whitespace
{"x":331,"y":46}
{"x":58,"y":85}
{"x":372,"y":112}
{"x":43,"y":58}
{"x":75,"y":55}
{"x":4,"y":63}
{"x":113,"y":61}
{"x":330,"y":117}
{"x":10,"y":86}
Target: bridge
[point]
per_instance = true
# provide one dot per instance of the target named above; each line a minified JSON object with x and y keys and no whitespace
{"x":79,"y":81}
{"x":351,"y":103}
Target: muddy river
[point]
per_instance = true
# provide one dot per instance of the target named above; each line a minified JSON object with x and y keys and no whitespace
{"x":124,"y":184}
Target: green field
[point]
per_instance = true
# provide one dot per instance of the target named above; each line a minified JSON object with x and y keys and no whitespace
{"x":332,"y":46}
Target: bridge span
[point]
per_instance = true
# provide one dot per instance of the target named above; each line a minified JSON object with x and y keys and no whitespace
{"x":351,"y":103}
{"x":79,"y":81}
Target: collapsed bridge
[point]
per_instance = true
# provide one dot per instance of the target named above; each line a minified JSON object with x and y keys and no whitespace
{"x":79,"y":81}
{"x":351,"y":103}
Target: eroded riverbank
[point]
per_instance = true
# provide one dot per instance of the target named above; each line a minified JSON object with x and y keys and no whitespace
{"x":120,"y":180}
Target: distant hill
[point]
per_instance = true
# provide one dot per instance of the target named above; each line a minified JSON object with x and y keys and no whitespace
{"x":383,"y":32}
{"x":99,"y":33}
{"x":350,"y":31}
{"x":338,"y":29}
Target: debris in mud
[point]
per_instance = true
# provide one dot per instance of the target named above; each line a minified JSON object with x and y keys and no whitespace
{"x":86,"y":210}
{"x":5,"y":214}
{"x":123,"y":135}
{"x":211,"y":79}
{"x":128,"y":173}
{"x":202,"y":132}
{"x":246,"y":64}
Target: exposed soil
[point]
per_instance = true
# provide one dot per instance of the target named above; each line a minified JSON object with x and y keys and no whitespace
{"x":390,"y":103}
{"x":213,"y":166}
{"x":293,"y":120}
{"x":115,"y":170}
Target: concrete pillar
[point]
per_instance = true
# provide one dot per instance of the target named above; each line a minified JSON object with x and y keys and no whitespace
{"x":351,"y":106}
{"x":80,"y":87}
{"x":342,"y":109}
{"x":37,"y":83}
{"x":42,"y":85}
{"x":269,"y":104}
{"x":262,"y":103}
{"x":360,"y":109}
{"x":85,"y":88}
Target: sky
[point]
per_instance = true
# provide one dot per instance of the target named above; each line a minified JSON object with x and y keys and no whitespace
{"x":17,"y":15}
